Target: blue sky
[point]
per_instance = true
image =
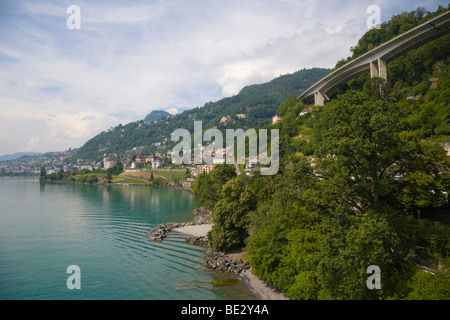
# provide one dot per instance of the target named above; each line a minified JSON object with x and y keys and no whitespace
{"x":60,"y":87}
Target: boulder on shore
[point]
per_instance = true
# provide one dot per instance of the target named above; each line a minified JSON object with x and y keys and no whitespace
{"x":220,"y":261}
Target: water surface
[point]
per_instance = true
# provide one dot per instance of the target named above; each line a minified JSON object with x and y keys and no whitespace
{"x":44,"y":228}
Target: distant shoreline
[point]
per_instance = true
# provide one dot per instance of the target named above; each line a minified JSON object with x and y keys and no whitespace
{"x":121,"y":184}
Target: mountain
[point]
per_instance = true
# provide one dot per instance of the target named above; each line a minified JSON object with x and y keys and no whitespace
{"x":156,"y":115}
{"x":18,"y":155}
{"x":257,"y":102}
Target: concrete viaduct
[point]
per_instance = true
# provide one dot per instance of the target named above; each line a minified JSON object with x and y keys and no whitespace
{"x":377,"y":59}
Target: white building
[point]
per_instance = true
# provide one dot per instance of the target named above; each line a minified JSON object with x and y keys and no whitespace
{"x":108,"y":163}
{"x":156,"y":164}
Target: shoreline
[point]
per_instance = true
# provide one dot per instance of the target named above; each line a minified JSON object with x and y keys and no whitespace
{"x":122,"y":184}
{"x":262,"y":289}
{"x":259,"y":287}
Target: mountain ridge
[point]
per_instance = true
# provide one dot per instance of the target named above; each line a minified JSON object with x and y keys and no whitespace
{"x":17,"y":155}
{"x":156,"y":115}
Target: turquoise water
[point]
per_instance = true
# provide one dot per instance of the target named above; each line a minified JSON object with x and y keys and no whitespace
{"x":44,"y":228}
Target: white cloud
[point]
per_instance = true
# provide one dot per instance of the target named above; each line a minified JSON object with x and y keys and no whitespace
{"x":172,"y":111}
{"x":32,"y":143}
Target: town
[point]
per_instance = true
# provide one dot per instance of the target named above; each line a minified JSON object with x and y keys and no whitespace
{"x":134,"y":167}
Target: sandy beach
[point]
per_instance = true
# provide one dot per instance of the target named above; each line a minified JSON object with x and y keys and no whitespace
{"x":196,"y":231}
{"x":262,"y":289}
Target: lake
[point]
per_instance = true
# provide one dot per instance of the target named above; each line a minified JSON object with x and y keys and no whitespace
{"x":104,"y":230}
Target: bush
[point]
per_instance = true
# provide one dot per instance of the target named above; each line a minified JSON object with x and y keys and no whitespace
{"x":92,"y":178}
{"x":231,"y":215}
{"x":427,"y":286}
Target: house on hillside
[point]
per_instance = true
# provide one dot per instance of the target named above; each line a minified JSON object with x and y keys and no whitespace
{"x":203,"y":169}
{"x":276,"y":119}
{"x":108,"y":163}
{"x":225,"y":119}
{"x":149,"y":159}
{"x":140,"y":159}
{"x":250,"y":166}
{"x":305,"y":111}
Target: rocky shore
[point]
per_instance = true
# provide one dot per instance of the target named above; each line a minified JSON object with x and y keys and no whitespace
{"x":222,"y":262}
{"x":227,"y":262}
{"x":160,"y":232}
{"x":201,"y":217}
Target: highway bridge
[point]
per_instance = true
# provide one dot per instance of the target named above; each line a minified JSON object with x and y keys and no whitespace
{"x":376,"y":60}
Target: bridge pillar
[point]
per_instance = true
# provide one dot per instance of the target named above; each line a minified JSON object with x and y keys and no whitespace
{"x":378,"y":69}
{"x":382,"y":69}
{"x":319,"y":98}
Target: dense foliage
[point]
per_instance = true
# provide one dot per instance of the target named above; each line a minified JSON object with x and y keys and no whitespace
{"x":318,"y":227}
{"x":354,"y":177}
{"x":208,"y":186}
{"x":231,"y":215}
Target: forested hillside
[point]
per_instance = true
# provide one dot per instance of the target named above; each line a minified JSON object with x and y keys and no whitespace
{"x":363,"y":181}
{"x":257,"y":102}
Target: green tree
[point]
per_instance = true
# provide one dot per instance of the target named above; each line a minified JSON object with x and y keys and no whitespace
{"x":43,"y":174}
{"x":116,"y":169}
{"x":108,"y":177}
{"x":316,"y":231}
{"x":206,"y":189}
{"x":231,"y":215}
{"x":209,"y":186}
{"x":427,"y":286}
{"x":92,"y":178}
{"x":425,"y":183}
{"x":348,"y":249}
{"x":366,"y":159}
{"x":61,"y":174}
{"x":222,"y":173}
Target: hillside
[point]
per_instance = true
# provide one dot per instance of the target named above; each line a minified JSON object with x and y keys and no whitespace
{"x":362,"y":189}
{"x":257,"y":102}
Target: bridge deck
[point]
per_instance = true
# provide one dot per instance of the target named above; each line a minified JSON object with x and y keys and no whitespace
{"x":388,"y":51}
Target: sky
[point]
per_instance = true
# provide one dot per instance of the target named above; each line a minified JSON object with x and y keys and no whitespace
{"x":61,"y":86}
